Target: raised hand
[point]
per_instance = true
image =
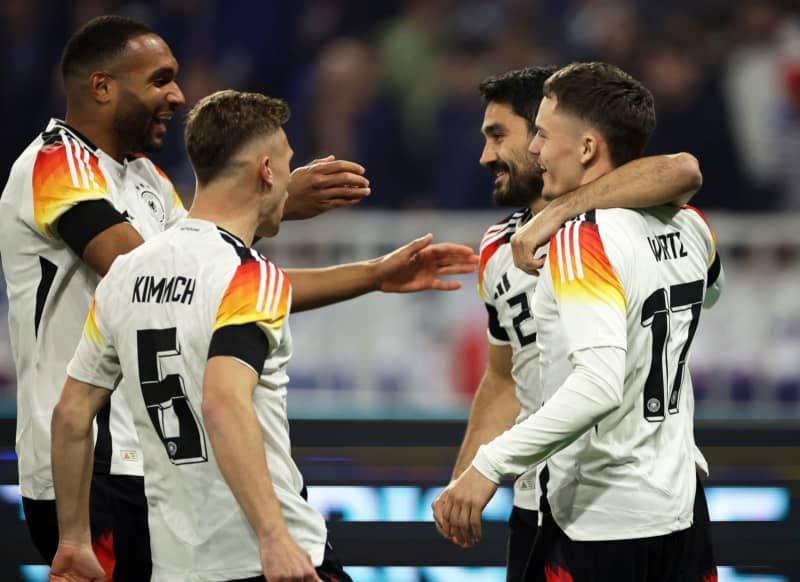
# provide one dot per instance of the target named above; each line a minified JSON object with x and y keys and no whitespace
{"x":323,"y":185}
{"x":420,"y":265}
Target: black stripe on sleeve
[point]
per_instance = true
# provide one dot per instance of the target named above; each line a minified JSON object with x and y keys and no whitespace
{"x":245,"y":342}
{"x":495,"y":329}
{"x":713,"y":271}
{"x":84,"y":221}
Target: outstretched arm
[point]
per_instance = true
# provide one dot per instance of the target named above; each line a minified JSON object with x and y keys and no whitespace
{"x":417,"y":266}
{"x":651,"y":181}
{"x":323,"y":185}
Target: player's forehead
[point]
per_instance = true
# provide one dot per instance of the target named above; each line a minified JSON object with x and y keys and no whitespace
{"x":499,"y":115}
{"x":147,"y":53}
{"x":547,"y":114}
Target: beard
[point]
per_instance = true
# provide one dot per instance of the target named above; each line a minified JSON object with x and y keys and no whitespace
{"x":521,"y":187}
{"x":133,"y":125}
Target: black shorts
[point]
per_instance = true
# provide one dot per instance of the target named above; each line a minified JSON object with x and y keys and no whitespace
{"x":118,"y":514}
{"x":523,"y":525}
{"x":330,"y":570}
{"x":682,"y":556}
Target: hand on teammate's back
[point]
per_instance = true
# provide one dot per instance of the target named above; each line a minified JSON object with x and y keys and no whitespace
{"x":323,"y":185}
{"x":76,"y":563}
{"x":284,"y":561}
{"x":420,"y":264}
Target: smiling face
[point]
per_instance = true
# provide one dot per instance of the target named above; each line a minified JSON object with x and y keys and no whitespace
{"x":505,"y":153}
{"x":148,"y":94}
{"x":560,"y":144}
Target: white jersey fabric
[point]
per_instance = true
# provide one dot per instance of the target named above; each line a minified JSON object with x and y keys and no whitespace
{"x":152,"y":320}
{"x":50,"y":288}
{"x":508,"y":294}
{"x":617,"y":306}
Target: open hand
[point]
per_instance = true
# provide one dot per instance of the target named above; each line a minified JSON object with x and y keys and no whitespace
{"x":420,"y":264}
{"x":323,"y":185}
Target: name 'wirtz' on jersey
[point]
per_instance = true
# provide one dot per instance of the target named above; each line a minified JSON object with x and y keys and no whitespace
{"x":149,"y":289}
{"x":667,"y":246}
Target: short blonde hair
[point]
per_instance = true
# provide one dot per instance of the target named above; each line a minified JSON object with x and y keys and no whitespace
{"x":220,"y":124}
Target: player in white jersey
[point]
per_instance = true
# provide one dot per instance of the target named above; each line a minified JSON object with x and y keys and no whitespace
{"x":616,"y":309}
{"x":76,"y":198}
{"x":199,"y":294}
{"x":196,"y":323}
{"x":510,"y":389}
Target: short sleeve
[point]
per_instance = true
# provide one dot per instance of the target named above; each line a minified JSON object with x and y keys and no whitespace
{"x":495,"y":332}
{"x":714,"y":279}
{"x":258,"y":293}
{"x":588,"y":292}
{"x":64,"y":175}
{"x":95,"y":360}
{"x":711,"y":235}
{"x":490,"y":244}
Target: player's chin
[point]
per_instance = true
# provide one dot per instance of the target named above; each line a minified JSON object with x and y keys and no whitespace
{"x":153,"y":145}
{"x":501,"y":195}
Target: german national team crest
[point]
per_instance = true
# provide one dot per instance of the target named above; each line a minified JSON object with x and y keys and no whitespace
{"x":153,"y":203}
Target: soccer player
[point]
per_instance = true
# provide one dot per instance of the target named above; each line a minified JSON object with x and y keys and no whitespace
{"x":510,"y":389}
{"x":197,"y":322}
{"x":617,"y":307}
{"x":79,"y":196}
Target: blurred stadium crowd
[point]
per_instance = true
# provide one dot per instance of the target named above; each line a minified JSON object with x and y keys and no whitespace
{"x":392,"y":84}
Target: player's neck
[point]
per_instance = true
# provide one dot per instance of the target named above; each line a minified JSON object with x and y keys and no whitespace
{"x":537,"y":205}
{"x":214,"y":204}
{"x":599,"y":168}
{"x":98,"y":132}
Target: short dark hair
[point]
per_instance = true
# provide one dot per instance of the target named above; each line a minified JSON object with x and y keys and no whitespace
{"x":99,"y":41}
{"x":522,"y":88}
{"x":220,"y":124}
{"x":611,"y":100}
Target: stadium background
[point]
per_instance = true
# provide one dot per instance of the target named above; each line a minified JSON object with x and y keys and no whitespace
{"x":393,"y":85}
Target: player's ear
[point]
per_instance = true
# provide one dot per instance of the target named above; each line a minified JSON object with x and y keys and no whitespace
{"x":101,"y":86}
{"x":590,"y":147}
{"x":265,"y":171}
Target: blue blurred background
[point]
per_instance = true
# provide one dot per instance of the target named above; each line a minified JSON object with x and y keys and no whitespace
{"x":393,"y":85}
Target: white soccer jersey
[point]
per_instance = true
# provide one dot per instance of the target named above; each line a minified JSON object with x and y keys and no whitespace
{"x":617,"y":282}
{"x":508,"y":294}
{"x":50,"y":289}
{"x":153,"y":318}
